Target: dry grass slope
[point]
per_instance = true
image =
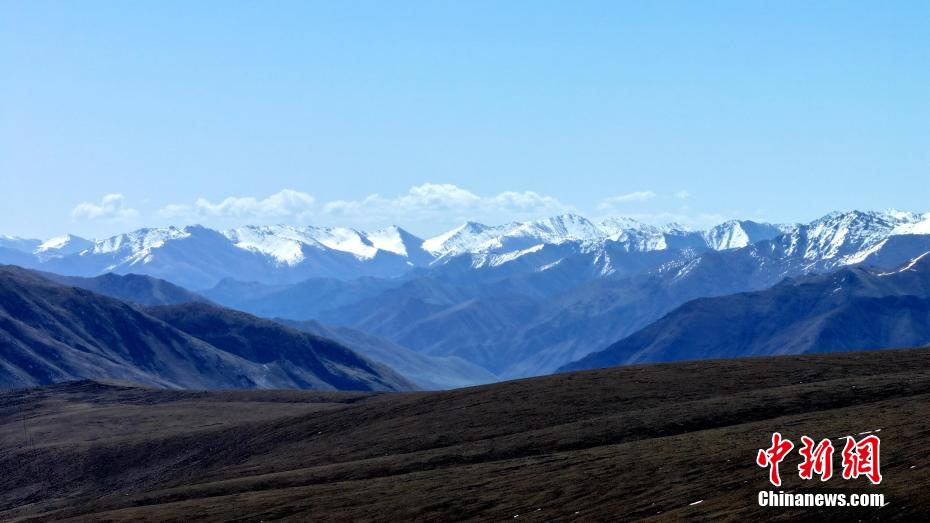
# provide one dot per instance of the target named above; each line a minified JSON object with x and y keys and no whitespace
{"x":615,"y":444}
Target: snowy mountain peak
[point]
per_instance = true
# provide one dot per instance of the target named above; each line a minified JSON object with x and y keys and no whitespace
{"x":288,"y":245}
{"x":140,"y":240}
{"x":674,"y":227}
{"x":618,"y":224}
{"x":633,"y":235}
{"x":629,"y":234}
{"x":557,"y":229}
{"x":389,"y":239}
{"x":903,"y":216}
{"x":200,"y":256}
{"x":476,"y":238}
{"x":283,"y":243}
{"x":914,"y":224}
{"x":734,"y":234}
{"x":345,"y":240}
{"x":66,"y":244}
{"x":849,"y":237}
{"x":467,"y":237}
{"x":61,"y":246}
{"x":396,"y":240}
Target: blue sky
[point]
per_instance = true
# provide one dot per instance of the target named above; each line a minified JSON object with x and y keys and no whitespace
{"x":115,"y":115}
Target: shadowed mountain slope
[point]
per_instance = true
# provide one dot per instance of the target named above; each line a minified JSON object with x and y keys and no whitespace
{"x":851,"y":309}
{"x":431,"y":373}
{"x":51,"y":332}
{"x":133,"y":288}
{"x":310,"y":361}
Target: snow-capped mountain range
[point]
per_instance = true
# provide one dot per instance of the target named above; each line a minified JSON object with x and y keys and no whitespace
{"x":633,"y":236}
{"x":518,"y":299}
{"x":199,"y":257}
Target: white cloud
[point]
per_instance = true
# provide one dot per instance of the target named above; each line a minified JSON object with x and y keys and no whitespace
{"x":445,"y":202}
{"x":349,"y":207}
{"x":429,"y":197}
{"x":434,"y":195}
{"x":637,"y":196}
{"x":112,"y":207}
{"x":174,"y":211}
{"x":426,"y":206}
{"x":284,"y":204}
{"x":427,"y":209}
{"x":527,"y":201}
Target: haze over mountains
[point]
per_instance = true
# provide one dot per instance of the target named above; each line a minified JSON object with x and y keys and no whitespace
{"x":487,"y":302}
{"x":428,"y":372}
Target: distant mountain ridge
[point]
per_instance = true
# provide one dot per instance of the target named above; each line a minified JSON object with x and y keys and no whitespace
{"x":856,"y":308}
{"x":546,"y":308}
{"x":132,"y":288}
{"x":197,"y":257}
{"x":287,"y":254}
{"x":50,"y":332}
{"x":519,"y":299}
{"x":427,"y":372}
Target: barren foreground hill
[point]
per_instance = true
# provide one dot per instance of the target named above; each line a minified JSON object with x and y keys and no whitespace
{"x":662,"y":441}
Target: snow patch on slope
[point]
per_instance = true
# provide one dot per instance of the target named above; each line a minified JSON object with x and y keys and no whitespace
{"x":284,"y":244}
{"x":496,"y":260}
{"x":910,"y":265}
{"x":345,"y":240}
{"x":389,"y":239}
{"x":468,"y":237}
{"x":912,"y":224}
{"x":137,"y":246}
